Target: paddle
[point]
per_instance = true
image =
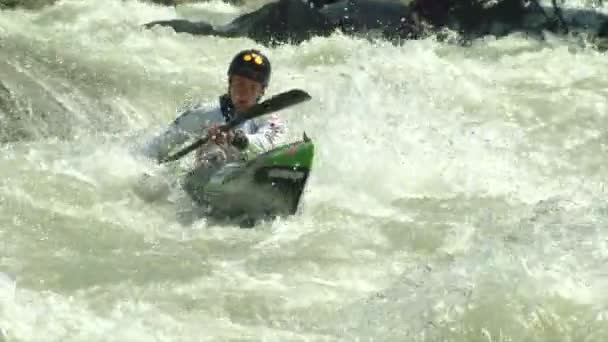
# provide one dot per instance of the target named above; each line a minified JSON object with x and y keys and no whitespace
{"x":273,"y":104}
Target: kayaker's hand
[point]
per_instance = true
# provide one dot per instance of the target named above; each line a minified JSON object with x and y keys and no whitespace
{"x":217,"y":136}
{"x":239,"y":140}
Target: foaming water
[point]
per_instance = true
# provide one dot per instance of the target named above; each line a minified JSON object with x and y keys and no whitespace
{"x":457,"y":193}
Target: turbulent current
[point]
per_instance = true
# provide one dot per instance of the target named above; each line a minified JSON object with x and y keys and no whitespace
{"x":458,"y":193}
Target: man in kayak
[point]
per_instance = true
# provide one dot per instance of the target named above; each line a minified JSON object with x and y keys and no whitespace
{"x":274,"y":189}
{"x":248,"y":77}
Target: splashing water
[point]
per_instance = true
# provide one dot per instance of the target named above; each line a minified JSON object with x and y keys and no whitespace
{"x":457,"y":193}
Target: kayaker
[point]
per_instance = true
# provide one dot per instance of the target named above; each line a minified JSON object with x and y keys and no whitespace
{"x":248,"y":78}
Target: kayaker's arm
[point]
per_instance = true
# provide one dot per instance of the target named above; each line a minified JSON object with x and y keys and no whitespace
{"x":270,"y":133}
{"x":160,"y":145}
{"x":189,"y":123}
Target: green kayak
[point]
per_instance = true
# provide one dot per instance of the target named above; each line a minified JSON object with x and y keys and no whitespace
{"x":268,"y":186}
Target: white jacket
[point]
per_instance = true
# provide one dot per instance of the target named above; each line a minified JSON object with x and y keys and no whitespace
{"x":263,"y":133}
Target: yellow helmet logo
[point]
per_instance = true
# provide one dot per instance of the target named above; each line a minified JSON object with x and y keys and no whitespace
{"x":257,"y":59}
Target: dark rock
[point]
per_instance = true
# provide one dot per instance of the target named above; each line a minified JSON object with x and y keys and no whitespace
{"x":295,"y":21}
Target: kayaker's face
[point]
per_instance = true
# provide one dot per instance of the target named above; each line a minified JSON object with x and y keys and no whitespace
{"x":244,"y":92}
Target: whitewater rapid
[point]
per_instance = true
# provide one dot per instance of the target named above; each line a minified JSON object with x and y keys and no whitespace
{"x":458,"y":193}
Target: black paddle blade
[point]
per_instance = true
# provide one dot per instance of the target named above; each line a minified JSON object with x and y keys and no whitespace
{"x":273,"y":104}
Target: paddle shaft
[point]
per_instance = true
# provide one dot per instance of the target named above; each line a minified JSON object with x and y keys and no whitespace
{"x":199,"y":142}
{"x":273,"y":104}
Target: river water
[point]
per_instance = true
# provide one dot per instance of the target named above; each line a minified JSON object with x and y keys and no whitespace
{"x":458,"y":193}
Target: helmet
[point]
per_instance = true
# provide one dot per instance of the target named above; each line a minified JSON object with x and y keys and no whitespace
{"x":251,"y":64}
